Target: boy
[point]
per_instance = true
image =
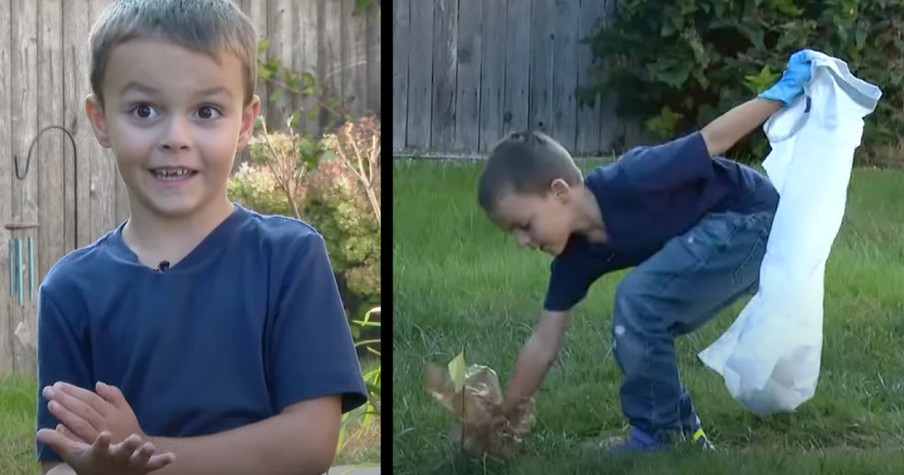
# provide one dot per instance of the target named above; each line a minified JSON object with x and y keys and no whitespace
{"x":695,"y":226}
{"x":185,"y":339}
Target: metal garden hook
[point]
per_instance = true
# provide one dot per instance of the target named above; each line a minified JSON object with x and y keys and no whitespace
{"x":34,"y":141}
{"x":16,"y":265}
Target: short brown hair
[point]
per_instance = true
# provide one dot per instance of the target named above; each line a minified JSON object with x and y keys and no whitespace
{"x":206,"y":26}
{"x":526,"y":163}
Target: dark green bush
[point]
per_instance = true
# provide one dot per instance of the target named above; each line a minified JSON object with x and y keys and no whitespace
{"x":677,"y":65}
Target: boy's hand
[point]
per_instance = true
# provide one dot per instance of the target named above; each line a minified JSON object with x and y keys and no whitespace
{"x":133,"y":456}
{"x":791,"y":84}
{"x":83,"y":415}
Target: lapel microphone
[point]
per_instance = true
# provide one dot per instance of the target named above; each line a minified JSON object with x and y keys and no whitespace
{"x":163,"y":266}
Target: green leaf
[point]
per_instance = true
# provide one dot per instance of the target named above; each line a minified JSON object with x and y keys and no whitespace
{"x":367,"y":316}
{"x":758,"y":83}
{"x":262,"y":45}
{"x":308,"y":79}
{"x":457,"y":371}
{"x":313,"y":112}
{"x":276,"y":95}
{"x":362,"y":5}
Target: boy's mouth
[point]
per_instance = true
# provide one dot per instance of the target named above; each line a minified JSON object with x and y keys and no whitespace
{"x":172,"y":174}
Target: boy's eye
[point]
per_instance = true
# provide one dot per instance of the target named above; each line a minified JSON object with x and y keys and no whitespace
{"x":143,"y":111}
{"x":208,"y":112}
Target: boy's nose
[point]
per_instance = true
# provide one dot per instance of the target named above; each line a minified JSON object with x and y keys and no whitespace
{"x":177,"y":135}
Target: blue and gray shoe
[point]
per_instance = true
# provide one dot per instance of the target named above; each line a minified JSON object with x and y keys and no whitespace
{"x":639,"y":441}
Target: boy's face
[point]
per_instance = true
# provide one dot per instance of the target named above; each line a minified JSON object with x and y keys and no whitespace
{"x":175,"y":120}
{"x":538,"y":222}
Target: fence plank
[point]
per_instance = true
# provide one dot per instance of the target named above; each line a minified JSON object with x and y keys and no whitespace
{"x":541,"y":65}
{"x":354,"y":55}
{"x":588,"y":116}
{"x":76,"y":87}
{"x":49,"y":165}
{"x":611,"y":128}
{"x":282,"y":36}
{"x":256,"y":10}
{"x":516,"y":114}
{"x":445,"y":63}
{"x":67,"y":157}
{"x":420,"y":86}
{"x":492,"y":86}
{"x":374,"y":53}
{"x":565,"y":48}
{"x":400,"y":40}
{"x":467,"y":90}
{"x":305,"y":59}
{"x":25,"y":127}
{"x":330,"y":66}
{"x":6,"y":190}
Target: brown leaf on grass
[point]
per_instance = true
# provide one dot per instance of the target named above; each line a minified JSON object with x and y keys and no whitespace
{"x":484,"y":428}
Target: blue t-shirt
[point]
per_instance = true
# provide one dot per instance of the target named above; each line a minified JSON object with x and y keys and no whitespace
{"x":647,"y":197}
{"x":248,"y":323}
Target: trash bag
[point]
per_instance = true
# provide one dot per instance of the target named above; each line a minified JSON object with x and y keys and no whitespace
{"x":770,"y":356}
{"x":482,"y":428}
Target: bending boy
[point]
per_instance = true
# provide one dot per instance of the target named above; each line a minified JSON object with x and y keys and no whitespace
{"x":692,"y":224}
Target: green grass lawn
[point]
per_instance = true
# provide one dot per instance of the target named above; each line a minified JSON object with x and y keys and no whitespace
{"x":17,"y":422}
{"x":459,"y":282}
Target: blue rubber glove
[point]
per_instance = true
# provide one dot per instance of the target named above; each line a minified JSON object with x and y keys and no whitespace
{"x":791,"y":84}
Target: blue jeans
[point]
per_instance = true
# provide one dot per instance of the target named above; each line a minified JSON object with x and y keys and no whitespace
{"x":674,"y":292}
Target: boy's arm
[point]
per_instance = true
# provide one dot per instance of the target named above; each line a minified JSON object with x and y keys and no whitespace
{"x":536,"y":357}
{"x":301,"y":439}
{"x":726,"y":130}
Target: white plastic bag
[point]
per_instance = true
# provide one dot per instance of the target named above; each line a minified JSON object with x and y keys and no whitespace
{"x":770,"y":356}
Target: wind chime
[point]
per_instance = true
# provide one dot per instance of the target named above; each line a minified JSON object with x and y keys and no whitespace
{"x":21,"y":258}
{"x":22,"y":265}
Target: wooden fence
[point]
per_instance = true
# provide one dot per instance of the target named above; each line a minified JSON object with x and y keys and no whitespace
{"x":44,"y":64}
{"x":466,"y":72}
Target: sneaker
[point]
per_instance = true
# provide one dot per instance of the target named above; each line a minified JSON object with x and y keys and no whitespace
{"x":638,"y":441}
{"x":699,"y":438}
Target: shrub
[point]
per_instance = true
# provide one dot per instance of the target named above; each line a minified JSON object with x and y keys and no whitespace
{"x":318,"y":182}
{"x":678,"y":65}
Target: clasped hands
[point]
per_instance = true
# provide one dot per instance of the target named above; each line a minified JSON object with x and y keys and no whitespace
{"x":98,"y":433}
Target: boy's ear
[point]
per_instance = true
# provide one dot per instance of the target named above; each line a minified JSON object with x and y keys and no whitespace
{"x":95,"y":112}
{"x":560,"y":189}
{"x":249,"y":117}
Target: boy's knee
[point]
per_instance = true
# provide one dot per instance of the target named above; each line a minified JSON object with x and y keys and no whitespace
{"x":632,"y":309}
{"x":629,"y":298}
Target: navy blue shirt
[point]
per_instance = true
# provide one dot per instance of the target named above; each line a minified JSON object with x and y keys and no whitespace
{"x":647,"y":197}
{"x":248,"y":323}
